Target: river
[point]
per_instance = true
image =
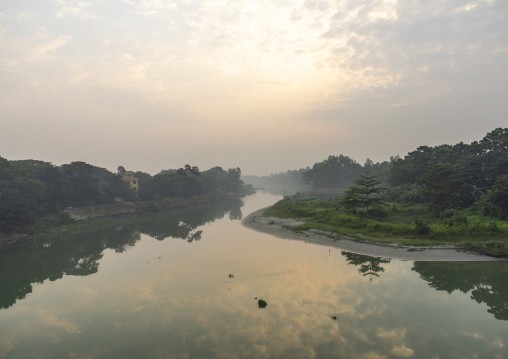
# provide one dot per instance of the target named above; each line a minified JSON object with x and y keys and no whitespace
{"x":186,"y":284}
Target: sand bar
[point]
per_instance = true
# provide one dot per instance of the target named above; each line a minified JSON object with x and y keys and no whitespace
{"x":276,"y":227}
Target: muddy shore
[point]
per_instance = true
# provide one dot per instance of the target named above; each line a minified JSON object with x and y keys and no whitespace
{"x":278,"y":227}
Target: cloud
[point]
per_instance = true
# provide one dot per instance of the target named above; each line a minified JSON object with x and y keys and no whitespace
{"x":152,"y":7}
{"x":402,"y":351}
{"x":321,"y":67}
{"x":75,"y":8}
{"x":42,"y":51}
{"x":75,"y":11}
{"x":27,"y":15}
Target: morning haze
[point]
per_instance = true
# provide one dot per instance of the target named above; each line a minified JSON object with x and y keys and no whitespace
{"x":253,"y":179}
{"x":265,"y":86}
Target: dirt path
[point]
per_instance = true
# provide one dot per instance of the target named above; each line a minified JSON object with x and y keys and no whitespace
{"x":275,"y":226}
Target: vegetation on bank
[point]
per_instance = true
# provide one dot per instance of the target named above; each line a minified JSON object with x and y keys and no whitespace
{"x":35,"y":194}
{"x":433,"y":196}
{"x":398,"y":223}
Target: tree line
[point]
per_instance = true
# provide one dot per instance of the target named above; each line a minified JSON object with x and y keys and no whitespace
{"x":340,"y":172}
{"x":31,"y":189}
{"x":445,"y":177}
{"x":456,"y":176}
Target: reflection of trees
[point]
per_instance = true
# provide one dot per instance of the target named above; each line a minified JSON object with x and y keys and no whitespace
{"x":369,"y":266}
{"x":79,"y":253}
{"x":235,"y":212}
{"x":53,"y":257}
{"x":486,"y":282}
{"x":182,"y":224}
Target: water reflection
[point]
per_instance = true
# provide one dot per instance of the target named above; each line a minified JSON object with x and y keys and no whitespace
{"x":368,"y":266}
{"x":79,"y":254}
{"x":486,"y":282}
{"x":170,"y":299}
{"x":183,"y":224}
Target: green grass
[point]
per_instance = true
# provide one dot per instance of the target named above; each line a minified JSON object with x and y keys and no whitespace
{"x":400,"y":224}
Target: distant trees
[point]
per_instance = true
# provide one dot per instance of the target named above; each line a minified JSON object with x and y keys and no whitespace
{"x":188,"y":181}
{"x":291,"y":180}
{"x":334,"y":172}
{"x":338,"y":172}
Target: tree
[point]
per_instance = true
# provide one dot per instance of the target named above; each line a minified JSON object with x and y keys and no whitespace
{"x":334,"y":172}
{"x":409,"y":169}
{"x":444,"y":187}
{"x":52,"y":178}
{"x":495,"y":154}
{"x":499,"y":194}
{"x":234,"y":181}
{"x":366,"y":194}
{"x":121,"y":171}
{"x":20,"y":196}
{"x":81,"y":186}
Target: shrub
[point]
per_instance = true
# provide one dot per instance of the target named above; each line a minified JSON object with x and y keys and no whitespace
{"x":422,"y":228}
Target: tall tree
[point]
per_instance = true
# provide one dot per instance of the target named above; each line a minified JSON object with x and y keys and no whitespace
{"x":365,"y":194}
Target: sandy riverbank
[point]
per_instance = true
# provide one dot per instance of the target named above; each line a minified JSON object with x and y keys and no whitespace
{"x":275,"y":226}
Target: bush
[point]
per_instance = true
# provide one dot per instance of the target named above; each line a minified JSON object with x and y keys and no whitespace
{"x":422,"y":228}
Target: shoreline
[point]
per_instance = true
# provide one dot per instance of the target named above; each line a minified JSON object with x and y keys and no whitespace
{"x":278,"y":228}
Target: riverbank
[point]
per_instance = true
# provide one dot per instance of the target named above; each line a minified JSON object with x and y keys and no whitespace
{"x":87,"y":217}
{"x":281,"y":227}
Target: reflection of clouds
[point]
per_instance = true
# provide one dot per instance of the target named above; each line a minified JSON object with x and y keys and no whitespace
{"x":44,"y":322}
{"x":402,"y":351}
{"x":181,"y":302}
{"x":392,"y":334}
{"x":34,"y":323}
{"x":7,"y":342}
{"x":297,"y":296}
{"x":373,"y":355}
{"x":51,"y":320}
{"x":497,"y":344}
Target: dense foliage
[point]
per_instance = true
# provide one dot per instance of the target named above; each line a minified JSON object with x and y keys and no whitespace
{"x":449,"y":194}
{"x":444,"y":177}
{"x":31,"y":190}
{"x":458,"y":176}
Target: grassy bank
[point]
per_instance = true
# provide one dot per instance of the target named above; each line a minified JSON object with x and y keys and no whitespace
{"x":401,"y":224}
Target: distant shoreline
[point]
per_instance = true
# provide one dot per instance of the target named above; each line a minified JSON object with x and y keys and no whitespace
{"x":275,"y":226}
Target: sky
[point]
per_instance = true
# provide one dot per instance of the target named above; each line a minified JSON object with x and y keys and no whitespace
{"x":267,"y":86}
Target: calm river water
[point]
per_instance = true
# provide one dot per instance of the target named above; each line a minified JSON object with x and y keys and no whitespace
{"x":159,"y":286}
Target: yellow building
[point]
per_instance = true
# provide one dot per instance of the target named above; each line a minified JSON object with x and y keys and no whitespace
{"x":131,"y":180}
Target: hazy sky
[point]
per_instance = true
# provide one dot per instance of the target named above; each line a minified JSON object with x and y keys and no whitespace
{"x":263,"y":85}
